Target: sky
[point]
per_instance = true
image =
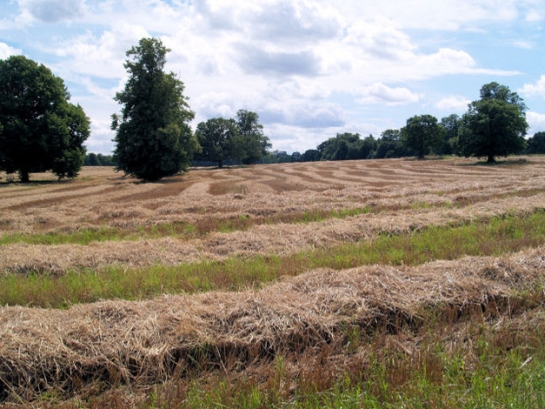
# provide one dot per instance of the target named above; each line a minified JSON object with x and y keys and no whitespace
{"x":309,"y":68}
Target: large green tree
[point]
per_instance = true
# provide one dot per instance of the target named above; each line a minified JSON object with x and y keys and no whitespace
{"x":422,"y":133}
{"x":254,"y":144}
{"x":153,"y":137}
{"x":39,"y":129}
{"x":494,"y":126}
{"x":219,"y":140}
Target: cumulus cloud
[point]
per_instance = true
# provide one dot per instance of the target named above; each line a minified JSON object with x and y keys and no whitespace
{"x":453,"y":103}
{"x":380,"y":39}
{"x":53,"y":11}
{"x":536,"y":121}
{"x":102,"y":56}
{"x":295,"y":21}
{"x":380,"y":93}
{"x":530,"y":90}
{"x":7,"y":51}
{"x":305,"y":66}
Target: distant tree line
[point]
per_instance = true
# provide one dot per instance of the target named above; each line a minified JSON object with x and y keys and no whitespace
{"x":98,"y":159}
{"x":493,"y":126}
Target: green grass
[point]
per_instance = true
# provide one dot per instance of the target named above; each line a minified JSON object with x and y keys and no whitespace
{"x":85,"y":236}
{"x":488,"y":237}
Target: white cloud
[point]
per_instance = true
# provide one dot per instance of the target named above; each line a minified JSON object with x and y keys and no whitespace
{"x":380,"y":39}
{"x":453,"y":103}
{"x":53,"y":11}
{"x":104,"y":56}
{"x":530,"y":90}
{"x":380,"y":93}
{"x":305,"y":66}
{"x":7,"y":51}
{"x":536,"y":121}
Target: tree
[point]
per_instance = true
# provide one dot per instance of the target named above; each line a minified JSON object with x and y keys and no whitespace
{"x":341,"y":147}
{"x":39,"y":129}
{"x":311,"y":155}
{"x":153,"y":138}
{"x":421,"y":134}
{"x":536,"y":144}
{"x":219,"y":140}
{"x":494,"y":126}
{"x":389,"y":145}
{"x":368,"y":146}
{"x":450,"y":125}
{"x":253,"y":143}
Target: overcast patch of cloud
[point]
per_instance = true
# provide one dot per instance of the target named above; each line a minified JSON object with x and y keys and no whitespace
{"x":297,"y":21}
{"x":254,"y":60}
{"x":53,"y":11}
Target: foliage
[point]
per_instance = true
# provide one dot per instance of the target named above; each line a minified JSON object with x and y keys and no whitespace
{"x":310,"y":155}
{"x":240,"y":140}
{"x":39,"y":129}
{"x":94,"y":159}
{"x":341,"y":147}
{"x":421,"y":134}
{"x":494,"y":126}
{"x":253,"y":144}
{"x":450,"y":125}
{"x":219,"y":139}
{"x":153,"y":138}
{"x":536,"y":144}
{"x":390,"y":145}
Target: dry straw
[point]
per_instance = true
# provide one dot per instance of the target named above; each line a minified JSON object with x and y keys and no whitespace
{"x":139,"y":343}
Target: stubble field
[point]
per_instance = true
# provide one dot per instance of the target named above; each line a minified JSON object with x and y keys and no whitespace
{"x":156,"y":294}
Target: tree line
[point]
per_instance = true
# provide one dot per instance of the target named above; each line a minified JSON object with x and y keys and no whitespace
{"x":493,"y":126}
{"x":41,"y":130}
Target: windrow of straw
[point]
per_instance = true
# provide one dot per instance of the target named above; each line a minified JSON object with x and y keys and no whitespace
{"x":281,"y":239}
{"x":201,"y":197}
{"x":141,"y":343}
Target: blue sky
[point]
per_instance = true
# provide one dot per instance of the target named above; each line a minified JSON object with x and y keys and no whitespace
{"x":309,"y":68}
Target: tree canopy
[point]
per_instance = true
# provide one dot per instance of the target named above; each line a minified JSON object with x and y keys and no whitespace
{"x":153,"y":137}
{"x":536,"y":144}
{"x":253,"y":143}
{"x":494,"y":126}
{"x":219,"y":140}
{"x":229,"y":139}
{"x":39,"y":129}
{"x":421,"y":134}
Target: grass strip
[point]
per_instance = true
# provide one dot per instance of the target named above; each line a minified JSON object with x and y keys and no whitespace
{"x":184,"y":230}
{"x":485,"y":238}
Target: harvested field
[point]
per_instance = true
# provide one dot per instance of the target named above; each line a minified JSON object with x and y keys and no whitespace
{"x":103,"y":220}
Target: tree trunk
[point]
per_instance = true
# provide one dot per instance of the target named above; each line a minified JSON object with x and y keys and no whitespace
{"x":24,"y":176}
{"x":491,"y":159}
{"x":220,"y":164}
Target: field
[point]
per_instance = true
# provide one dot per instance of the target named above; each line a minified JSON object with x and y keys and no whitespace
{"x":377,"y":283}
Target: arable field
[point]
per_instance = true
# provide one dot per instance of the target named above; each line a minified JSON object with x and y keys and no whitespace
{"x":376,"y":283}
